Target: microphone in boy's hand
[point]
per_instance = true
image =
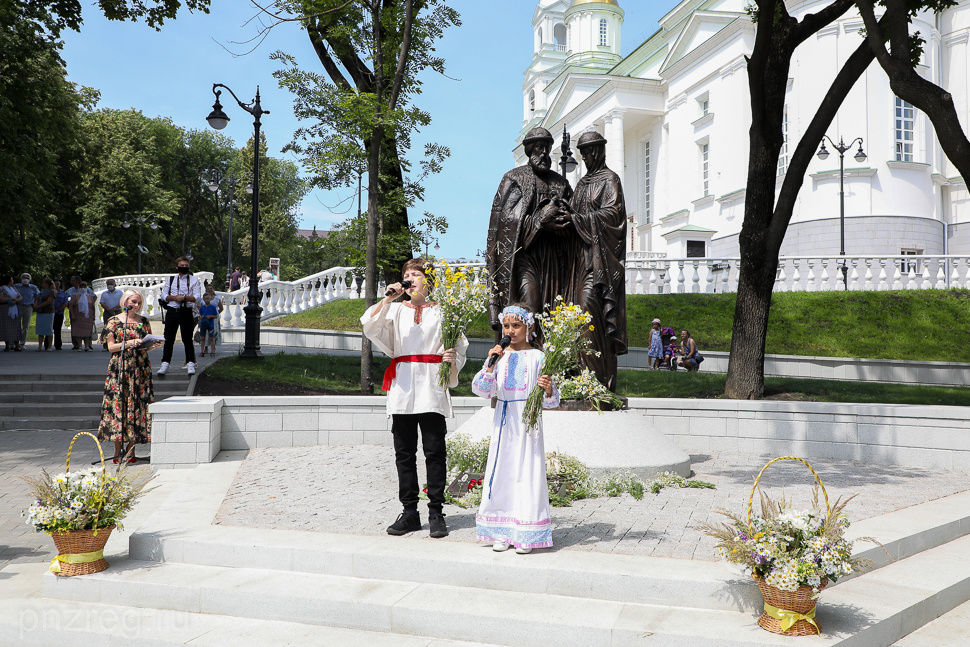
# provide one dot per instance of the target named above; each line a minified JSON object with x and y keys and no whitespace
{"x":504,"y":344}
{"x":404,"y":286}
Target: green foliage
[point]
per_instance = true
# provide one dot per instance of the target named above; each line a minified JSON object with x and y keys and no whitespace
{"x":57,"y":15}
{"x":669,"y":479}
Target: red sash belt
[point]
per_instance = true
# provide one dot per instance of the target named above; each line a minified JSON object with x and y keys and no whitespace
{"x":391,"y":371}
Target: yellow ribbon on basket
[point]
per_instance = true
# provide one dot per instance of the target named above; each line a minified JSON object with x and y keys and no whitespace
{"x":789,"y":618}
{"x":75,"y":558}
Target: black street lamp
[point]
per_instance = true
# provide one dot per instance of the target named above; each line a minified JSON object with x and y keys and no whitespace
{"x":860,"y":157}
{"x":218,"y":120}
{"x":141,"y":221}
{"x":566,"y":159}
{"x":216,"y":179}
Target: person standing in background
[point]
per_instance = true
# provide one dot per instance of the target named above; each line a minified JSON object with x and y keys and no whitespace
{"x":9,"y":314}
{"x":74,"y":289}
{"x":60,"y":303}
{"x":82,"y":317}
{"x":110,"y":304}
{"x":28,"y":293}
{"x":179,"y":293}
{"x":234,"y":279}
{"x":44,"y":318}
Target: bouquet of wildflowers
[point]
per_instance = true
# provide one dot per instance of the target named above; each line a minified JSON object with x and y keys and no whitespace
{"x":84,"y":500}
{"x":562,"y":328}
{"x":789,"y":548}
{"x":461,"y":294}
{"x":585,"y":386}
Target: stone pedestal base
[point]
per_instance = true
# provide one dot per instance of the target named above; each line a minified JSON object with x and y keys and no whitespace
{"x":609,"y":442}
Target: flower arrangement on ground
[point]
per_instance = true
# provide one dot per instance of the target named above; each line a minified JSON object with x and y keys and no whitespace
{"x":562,"y":330}
{"x":86,"y":500}
{"x":789,"y":550}
{"x":585,"y":386}
{"x":461,"y":294}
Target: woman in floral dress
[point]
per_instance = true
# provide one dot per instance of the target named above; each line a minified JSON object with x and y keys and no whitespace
{"x":128,"y":387}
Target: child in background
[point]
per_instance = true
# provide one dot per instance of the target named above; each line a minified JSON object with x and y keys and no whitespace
{"x":515,"y":498}
{"x":670,"y":353}
{"x":208,"y":314}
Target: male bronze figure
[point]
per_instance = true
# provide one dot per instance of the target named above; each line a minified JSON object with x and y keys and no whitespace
{"x":525,"y":242}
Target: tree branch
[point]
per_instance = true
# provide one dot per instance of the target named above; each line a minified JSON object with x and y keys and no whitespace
{"x":812,"y":22}
{"x":402,"y":58}
{"x":316,"y":39}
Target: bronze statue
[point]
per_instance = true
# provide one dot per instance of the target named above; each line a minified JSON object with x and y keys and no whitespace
{"x":545,"y":241}
{"x":524,"y":242}
{"x":597,"y":214}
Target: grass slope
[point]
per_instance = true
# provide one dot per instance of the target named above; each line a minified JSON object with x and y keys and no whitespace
{"x":911,"y":325}
{"x":341,"y":375}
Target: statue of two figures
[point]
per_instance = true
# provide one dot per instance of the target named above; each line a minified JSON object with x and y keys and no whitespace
{"x":547,"y":240}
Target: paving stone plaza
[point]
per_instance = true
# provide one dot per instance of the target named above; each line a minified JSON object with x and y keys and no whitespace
{"x":288,"y":545}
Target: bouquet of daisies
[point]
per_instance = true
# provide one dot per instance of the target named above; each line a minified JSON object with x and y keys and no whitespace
{"x":461,"y":294}
{"x":562,"y":329}
{"x":83,"y":500}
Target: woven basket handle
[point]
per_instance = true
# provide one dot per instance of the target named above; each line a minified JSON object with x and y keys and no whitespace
{"x":787,"y":458}
{"x":71,"y":446}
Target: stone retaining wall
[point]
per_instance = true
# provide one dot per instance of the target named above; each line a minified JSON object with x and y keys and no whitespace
{"x":187,"y":431}
{"x":823,"y":368}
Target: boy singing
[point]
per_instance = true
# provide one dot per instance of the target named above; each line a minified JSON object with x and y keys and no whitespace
{"x":410,"y":333}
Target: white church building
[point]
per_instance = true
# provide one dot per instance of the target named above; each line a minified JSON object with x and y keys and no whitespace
{"x":676,"y":114}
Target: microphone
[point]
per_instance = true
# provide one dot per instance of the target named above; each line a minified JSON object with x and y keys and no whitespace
{"x":127,"y":308}
{"x":404,"y":284}
{"x":504,"y":344}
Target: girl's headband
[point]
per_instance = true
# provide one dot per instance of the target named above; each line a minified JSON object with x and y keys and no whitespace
{"x":522,"y":315}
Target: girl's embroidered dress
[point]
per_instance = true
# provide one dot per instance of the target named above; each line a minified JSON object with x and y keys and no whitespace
{"x":515,"y":497}
{"x":128,"y":392}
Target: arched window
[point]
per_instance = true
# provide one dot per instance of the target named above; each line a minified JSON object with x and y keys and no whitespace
{"x":559,"y":34}
{"x":532,"y":100}
{"x":603,"y":32}
{"x":539,"y":33}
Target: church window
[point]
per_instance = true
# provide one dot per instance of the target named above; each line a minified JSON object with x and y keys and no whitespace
{"x":905,"y":120}
{"x":559,"y":34}
{"x":646,"y":182}
{"x":783,"y":153}
{"x":695,"y":249}
{"x":540,"y":36}
{"x":706,"y":168}
{"x":907,"y":266}
{"x":532,"y":100}
{"x":705,"y":107}
{"x":603,"y":32}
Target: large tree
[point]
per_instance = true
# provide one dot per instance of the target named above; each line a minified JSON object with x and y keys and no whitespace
{"x":361,"y":120}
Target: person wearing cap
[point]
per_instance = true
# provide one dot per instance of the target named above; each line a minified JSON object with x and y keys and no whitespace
{"x":670,"y":353}
{"x":525,"y":244}
{"x":597,"y":212}
{"x":656,"y":351}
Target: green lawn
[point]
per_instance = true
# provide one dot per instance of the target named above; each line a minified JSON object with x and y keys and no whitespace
{"x":341,"y":374}
{"x":912,"y":325}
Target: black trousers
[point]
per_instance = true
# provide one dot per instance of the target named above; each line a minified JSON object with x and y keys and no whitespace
{"x":58,"y":324}
{"x":405,"y":430}
{"x":179,"y":320}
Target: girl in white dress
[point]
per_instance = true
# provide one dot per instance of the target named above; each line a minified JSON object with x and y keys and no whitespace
{"x":515,"y":498}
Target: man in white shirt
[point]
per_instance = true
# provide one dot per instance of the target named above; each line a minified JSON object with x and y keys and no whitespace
{"x":410,"y":333}
{"x":179,"y":293}
{"x":110,"y":303}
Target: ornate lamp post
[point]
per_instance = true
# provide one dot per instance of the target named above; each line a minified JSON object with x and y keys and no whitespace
{"x":216,"y":179}
{"x":566,"y":159}
{"x":141,"y":221}
{"x":860,"y":157}
{"x":218,"y":120}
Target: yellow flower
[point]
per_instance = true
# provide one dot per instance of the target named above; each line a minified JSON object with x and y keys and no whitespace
{"x":592,"y":328}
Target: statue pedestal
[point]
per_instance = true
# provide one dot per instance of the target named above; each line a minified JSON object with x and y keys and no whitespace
{"x":611,"y":441}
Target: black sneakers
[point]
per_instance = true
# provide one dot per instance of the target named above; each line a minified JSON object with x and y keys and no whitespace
{"x":407,"y":521}
{"x":438,"y":527}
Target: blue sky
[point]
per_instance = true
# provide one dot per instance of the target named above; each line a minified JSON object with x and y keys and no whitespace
{"x":476,"y":113}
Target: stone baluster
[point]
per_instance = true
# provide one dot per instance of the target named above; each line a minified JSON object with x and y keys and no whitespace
{"x":796,"y":277}
{"x":225,"y":317}
{"x":709,"y":282}
{"x":911,"y":284}
{"x":681,"y":280}
{"x":826,"y":286}
{"x":237,"y":312}
{"x":883,"y":282}
{"x":868,"y":277}
{"x":668,"y":279}
{"x":854,"y":274}
{"x":925,"y":282}
{"x":638,"y":280}
{"x":954,"y":273}
{"x":897,"y":283}
{"x":781,"y":279}
{"x":810,"y":283}
{"x":940,"y":274}
{"x":695,"y":280}
{"x":726,"y":277}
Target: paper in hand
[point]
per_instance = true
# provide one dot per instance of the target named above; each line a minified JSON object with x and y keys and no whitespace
{"x":150,"y":340}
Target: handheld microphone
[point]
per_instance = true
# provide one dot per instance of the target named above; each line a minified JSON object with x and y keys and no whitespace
{"x":504,"y":344}
{"x":404,"y":284}
{"x":127,"y":308}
